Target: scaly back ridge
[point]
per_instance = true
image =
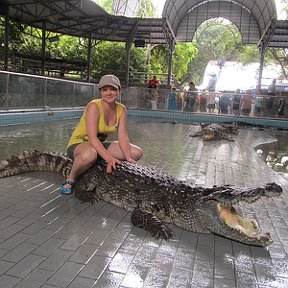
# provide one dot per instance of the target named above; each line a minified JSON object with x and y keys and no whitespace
{"x":29,"y":161}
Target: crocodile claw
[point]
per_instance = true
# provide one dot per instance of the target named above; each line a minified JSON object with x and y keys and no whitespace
{"x":146,"y":220}
{"x":162,"y":232}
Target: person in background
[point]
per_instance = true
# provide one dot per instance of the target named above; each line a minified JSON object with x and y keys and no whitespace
{"x":211,"y":104}
{"x":258,"y":103}
{"x":246,"y":103}
{"x":236,"y":99}
{"x":180,"y":98}
{"x":153,"y":85}
{"x":224,"y":102}
{"x":281,"y":105}
{"x":172,"y":99}
{"x":190,"y":98}
{"x":211,"y":86}
{"x":202,"y":101}
{"x":88,"y":142}
{"x":272,"y":93}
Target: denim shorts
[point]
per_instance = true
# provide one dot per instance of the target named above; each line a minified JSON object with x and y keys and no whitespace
{"x":71,"y":148}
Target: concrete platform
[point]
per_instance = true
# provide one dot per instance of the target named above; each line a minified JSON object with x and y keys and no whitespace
{"x":48,"y":240}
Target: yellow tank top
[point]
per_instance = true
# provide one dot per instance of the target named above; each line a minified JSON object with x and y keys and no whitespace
{"x":80,"y":133}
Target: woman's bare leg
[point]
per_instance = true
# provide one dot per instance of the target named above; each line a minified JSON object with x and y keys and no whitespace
{"x":84,"y":157}
{"x":115,"y":150}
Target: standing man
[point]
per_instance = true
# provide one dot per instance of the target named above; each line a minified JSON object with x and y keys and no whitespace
{"x":153,"y":85}
{"x":211,"y":87}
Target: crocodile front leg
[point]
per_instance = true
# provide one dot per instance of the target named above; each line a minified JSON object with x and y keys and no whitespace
{"x":142,"y":218}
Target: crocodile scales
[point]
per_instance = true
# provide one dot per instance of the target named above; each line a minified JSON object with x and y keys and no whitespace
{"x":155,"y":198}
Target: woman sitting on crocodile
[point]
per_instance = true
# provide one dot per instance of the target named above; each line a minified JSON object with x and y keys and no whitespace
{"x":89,"y":140}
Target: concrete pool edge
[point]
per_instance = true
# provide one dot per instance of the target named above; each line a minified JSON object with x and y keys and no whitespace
{"x":25,"y":117}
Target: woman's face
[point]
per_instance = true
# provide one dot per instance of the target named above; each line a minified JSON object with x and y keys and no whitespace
{"x":109,"y":94}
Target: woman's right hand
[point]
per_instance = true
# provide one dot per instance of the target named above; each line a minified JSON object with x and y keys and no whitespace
{"x":111,"y":164}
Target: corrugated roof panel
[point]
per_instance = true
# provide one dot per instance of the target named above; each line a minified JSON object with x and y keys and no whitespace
{"x":254,"y":18}
{"x":257,"y":15}
{"x":85,"y":18}
{"x":244,"y":21}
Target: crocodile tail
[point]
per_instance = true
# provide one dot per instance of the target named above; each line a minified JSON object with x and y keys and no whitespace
{"x":29,"y":161}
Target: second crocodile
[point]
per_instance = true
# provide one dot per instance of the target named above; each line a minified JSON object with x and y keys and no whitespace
{"x":215,"y":131}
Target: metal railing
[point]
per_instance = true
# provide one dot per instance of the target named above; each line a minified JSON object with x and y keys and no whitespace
{"x":23,"y":91}
{"x":30,"y":92}
{"x":239,"y":105}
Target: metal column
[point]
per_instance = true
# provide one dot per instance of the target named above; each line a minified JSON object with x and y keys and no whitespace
{"x":43,"y":48}
{"x":128,"y":50}
{"x":89,"y":59}
{"x":6,"y":39}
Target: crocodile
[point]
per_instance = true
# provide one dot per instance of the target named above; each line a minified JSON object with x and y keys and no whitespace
{"x":215,"y":131}
{"x":156,"y":199}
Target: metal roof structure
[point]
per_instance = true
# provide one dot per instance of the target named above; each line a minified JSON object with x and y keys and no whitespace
{"x":276,"y":36}
{"x":252,"y":17}
{"x":256,"y":20}
{"x":84,"y":18}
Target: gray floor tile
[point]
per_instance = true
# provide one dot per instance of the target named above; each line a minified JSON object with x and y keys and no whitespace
{"x":25,"y":266}
{"x":54,"y":241}
{"x":19,"y":252}
{"x":56,"y":260}
{"x":8,"y":281}
{"x":35,"y":279}
{"x":65,"y":274}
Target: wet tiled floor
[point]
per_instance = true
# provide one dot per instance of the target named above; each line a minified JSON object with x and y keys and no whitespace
{"x":48,"y":240}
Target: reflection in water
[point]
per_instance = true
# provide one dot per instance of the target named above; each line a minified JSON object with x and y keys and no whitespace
{"x":275,"y":154}
{"x":49,"y":136}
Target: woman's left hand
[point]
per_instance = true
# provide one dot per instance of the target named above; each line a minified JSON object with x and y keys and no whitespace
{"x":131,"y":160}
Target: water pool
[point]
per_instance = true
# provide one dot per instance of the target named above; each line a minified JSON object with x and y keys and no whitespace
{"x":163,"y":143}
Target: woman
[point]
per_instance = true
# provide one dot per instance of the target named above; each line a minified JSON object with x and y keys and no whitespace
{"x":88,"y":142}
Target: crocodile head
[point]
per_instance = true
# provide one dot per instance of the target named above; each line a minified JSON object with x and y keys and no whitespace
{"x":215,"y":131}
{"x":218,"y":215}
{"x":210,"y":134}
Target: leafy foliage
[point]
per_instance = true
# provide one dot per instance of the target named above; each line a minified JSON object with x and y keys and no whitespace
{"x":216,"y":39}
{"x":107,"y":5}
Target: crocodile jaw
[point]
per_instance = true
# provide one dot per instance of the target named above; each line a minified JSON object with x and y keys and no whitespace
{"x":225,"y":221}
{"x":245,"y":227}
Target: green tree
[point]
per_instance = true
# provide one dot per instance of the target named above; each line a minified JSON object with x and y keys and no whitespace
{"x":15,"y":32}
{"x":111,"y":57}
{"x":218,"y":39}
{"x":184,"y":55}
{"x":107,"y":5}
{"x":145,"y":9}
